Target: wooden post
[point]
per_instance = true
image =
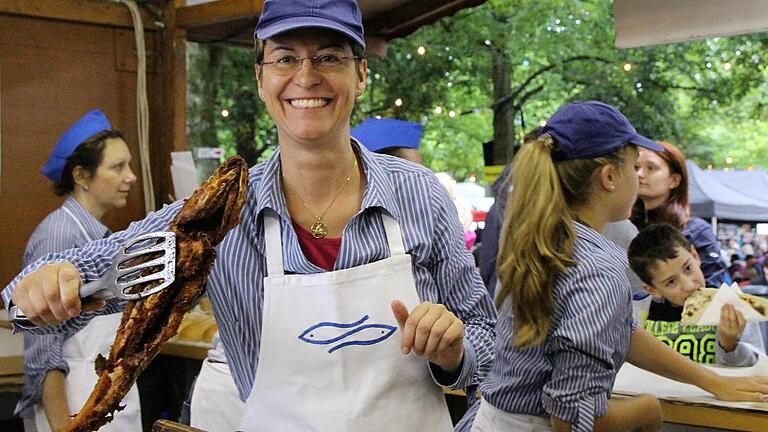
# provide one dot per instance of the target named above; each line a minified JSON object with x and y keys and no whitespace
{"x":174,"y":101}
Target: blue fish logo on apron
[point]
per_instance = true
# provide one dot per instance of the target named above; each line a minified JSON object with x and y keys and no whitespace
{"x":327,"y":333}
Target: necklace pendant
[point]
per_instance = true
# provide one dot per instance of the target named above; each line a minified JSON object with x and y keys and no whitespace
{"x":318,"y":230}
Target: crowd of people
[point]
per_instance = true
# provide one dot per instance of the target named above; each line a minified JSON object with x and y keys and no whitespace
{"x":746,"y":255}
{"x":332,"y":231}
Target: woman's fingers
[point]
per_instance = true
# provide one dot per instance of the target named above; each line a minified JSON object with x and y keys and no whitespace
{"x":50,"y":294}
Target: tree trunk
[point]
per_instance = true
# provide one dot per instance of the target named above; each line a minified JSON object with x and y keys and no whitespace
{"x":244,"y":114}
{"x":202,"y":132}
{"x":504,"y":115}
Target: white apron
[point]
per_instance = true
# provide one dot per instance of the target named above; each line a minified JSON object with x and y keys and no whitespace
{"x":330,"y":356}
{"x":491,"y":419}
{"x":216,"y":404}
{"x":80,"y":352}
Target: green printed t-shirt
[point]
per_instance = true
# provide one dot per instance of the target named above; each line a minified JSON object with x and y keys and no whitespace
{"x":693,"y":341}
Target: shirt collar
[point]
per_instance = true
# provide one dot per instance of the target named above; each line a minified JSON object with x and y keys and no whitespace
{"x":584,"y":232}
{"x":95,"y":229}
{"x":267,"y":190}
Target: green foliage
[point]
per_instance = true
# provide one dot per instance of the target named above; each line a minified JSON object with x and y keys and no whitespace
{"x":709,"y":97}
{"x":683,"y":93}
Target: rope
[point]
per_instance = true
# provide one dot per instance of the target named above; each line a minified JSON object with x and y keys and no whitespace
{"x":142,"y":105}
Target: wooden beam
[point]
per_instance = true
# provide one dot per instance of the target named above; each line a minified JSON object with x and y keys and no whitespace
{"x":409,"y":17}
{"x":217,"y":11}
{"x":84,"y":11}
{"x":174,"y":102}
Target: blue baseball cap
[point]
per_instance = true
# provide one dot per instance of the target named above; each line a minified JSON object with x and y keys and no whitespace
{"x":592,"y":129}
{"x":343,"y":16}
{"x":89,"y":125}
{"x":381,"y":134}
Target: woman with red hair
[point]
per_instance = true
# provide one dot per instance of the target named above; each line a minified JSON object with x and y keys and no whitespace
{"x":663,"y":192}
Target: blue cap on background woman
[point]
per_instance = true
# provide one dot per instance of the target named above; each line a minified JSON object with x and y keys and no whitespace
{"x":89,"y":125}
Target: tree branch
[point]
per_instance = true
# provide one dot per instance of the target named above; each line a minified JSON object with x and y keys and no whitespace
{"x":504,"y":100}
{"x":527,"y":96}
{"x":668,"y":86}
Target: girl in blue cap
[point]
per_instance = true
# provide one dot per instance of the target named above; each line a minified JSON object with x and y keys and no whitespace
{"x":565,"y":316}
{"x":90,"y":167}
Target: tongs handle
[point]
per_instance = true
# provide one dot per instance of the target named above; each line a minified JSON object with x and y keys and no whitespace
{"x":17,"y":316}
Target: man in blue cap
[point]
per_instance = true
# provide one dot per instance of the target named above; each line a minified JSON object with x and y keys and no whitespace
{"x":394,"y":137}
{"x":345,"y":298}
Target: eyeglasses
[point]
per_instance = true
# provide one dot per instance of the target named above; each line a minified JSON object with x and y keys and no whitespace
{"x":323,"y":63}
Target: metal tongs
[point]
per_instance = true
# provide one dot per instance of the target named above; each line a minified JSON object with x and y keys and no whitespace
{"x":127,"y":272}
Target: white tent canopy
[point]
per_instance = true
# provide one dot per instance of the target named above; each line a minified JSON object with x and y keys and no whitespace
{"x":653,"y":22}
{"x":709,"y":198}
{"x":753,"y":183}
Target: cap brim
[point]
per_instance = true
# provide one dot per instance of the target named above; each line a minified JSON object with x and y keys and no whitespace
{"x":646,"y":143}
{"x":294,"y":23}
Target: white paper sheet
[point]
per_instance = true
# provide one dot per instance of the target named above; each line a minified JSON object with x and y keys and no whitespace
{"x":183,"y":174}
{"x":728,"y":295}
{"x":632,"y":380}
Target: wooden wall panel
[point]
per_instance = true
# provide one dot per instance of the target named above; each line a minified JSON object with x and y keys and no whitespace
{"x":52,"y":73}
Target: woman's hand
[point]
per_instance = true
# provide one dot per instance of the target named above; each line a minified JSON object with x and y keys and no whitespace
{"x":51,"y":294}
{"x":731,"y":327}
{"x":746,"y":389}
{"x":432,"y":332}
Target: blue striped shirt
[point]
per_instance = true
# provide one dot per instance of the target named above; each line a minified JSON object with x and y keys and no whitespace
{"x":443,"y":269}
{"x":571,"y":374}
{"x":57,"y":232}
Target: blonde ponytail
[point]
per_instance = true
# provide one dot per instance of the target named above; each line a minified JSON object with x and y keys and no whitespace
{"x":537,"y":238}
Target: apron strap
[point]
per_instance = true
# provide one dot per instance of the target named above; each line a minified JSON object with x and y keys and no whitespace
{"x":273,"y":246}
{"x":394,"y":236}
{"x":79,"y":225}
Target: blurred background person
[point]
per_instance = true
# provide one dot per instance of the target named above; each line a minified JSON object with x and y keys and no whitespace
{"x":463,"y":207}
{"x":391,"y":136}
{"x":663,"y":195}
{"x":90,"y":167}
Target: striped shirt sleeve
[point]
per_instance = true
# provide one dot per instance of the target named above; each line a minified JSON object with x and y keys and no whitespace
{"x":93,"y":260}
{"x":464,"y":294}
{"x":581,"y":350}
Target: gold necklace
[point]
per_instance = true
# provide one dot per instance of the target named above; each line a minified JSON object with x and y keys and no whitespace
{"x":319,"y":229}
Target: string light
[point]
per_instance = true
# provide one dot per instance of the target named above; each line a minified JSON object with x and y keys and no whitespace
{"x":421,"y":50}
{"x":398,"y":102}
{"x":225,"y":113}
{"x":727,"y":66}
{"x":451,"y":114}
{"x":729,"y":160}
{"x":438,"y":110}
{"x":627,"y":67}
